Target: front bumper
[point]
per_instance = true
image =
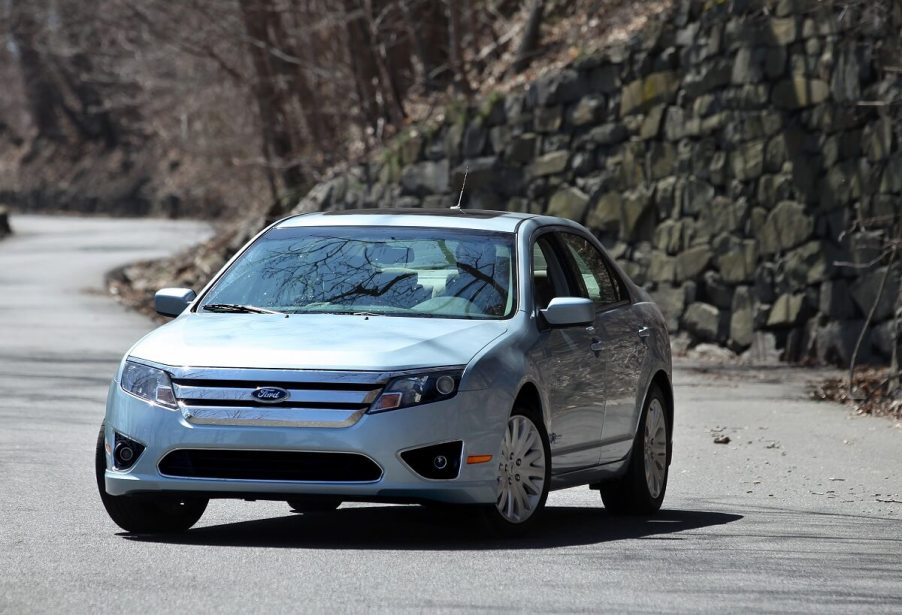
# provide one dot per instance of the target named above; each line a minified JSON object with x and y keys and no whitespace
{"x":477,"y":418}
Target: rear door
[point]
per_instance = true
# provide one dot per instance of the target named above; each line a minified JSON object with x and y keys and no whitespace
{"x":618,"y":340}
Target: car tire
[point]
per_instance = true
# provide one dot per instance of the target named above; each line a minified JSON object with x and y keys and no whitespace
{"x":641,"y":490}
{"x":313,"y":505}
{"x":525,"y":454}
{"x":146,"y":514}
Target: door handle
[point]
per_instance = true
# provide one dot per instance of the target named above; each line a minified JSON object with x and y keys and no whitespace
{"x":595,"y":346}
{"x":643,"y":332}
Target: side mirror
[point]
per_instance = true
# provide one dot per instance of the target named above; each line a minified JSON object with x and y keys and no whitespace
{"x":173,"y":301}
{"x":569,"y":312}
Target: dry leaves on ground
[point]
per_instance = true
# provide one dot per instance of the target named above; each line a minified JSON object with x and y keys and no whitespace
{"x":870,"y":394}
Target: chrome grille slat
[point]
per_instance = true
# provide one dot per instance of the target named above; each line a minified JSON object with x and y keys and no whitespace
{"x":271,"y":417}
{"x":276,"y":376}
{"x":296,"y":396}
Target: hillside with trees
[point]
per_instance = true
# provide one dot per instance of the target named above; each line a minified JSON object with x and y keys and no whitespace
{"x":218,"y":108}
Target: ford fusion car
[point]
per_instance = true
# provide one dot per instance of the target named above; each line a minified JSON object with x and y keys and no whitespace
{"x":461,"y":357}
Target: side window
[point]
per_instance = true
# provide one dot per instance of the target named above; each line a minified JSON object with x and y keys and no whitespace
{"x":595,"y":278}
{"x":547,"y":282}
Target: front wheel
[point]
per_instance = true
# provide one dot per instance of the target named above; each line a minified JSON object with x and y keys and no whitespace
{"x":146,"y":514}
{"x":524,"y":472}
{"x":641,"y":490}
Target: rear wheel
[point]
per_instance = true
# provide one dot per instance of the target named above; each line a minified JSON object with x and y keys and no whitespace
{"x":641,"y":490}
{"x":313,"y":505}
{"x":524,"y":473}
{"x":146,"y":514}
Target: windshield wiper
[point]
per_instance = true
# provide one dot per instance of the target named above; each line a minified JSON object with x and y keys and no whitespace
{"x":344,"y":313}
{"x":234,"y":308}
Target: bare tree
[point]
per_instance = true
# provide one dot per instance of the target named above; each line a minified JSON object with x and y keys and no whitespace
{"x":243,"y":102}
{"x":529,"y":44}
{"x":455,"y":35}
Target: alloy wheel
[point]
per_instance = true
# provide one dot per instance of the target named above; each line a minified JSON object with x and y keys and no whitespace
{"x":655,"y":448}
{"x":521,"y":472}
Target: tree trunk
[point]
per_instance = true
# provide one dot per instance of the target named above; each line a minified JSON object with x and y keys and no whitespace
{"x":529,"y":44}
{"x":427,"y":25}
{"x":91,"y":117}
{"x":67,"y":97}
{"x":43,"y":96}
{"x":454,"y":38}
{"x":414,"y":32}
{"x":388,"y":81}
{"x":320,"y":123}
{"x":363,"y":67}
{"x":273,"y":101}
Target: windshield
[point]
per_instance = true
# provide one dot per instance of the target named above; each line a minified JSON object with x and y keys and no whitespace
{"x":419,"y":272}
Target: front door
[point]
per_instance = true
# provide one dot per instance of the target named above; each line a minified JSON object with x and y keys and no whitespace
{"x":573,"y":374}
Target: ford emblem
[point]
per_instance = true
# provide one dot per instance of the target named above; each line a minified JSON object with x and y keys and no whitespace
{"x":270,"y":395}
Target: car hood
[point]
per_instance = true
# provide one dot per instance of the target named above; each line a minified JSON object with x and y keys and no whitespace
{"x":316,"y":341}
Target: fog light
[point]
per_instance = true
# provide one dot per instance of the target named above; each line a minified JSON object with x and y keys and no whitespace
{"x":125,"y":452}
{"x":436,"y":462}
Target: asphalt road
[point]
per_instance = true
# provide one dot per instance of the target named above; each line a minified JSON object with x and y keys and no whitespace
{"x":801,"y":512}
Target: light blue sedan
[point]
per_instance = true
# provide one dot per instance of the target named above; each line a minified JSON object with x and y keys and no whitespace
{"x":415,"y":356}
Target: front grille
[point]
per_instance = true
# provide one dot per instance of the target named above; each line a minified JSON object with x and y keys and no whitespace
{"x":344,"y":395}
{"x":271,"y":465}
{"x":314,"y":399}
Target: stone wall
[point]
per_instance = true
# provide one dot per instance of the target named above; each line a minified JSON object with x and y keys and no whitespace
{"x":727,"y":157}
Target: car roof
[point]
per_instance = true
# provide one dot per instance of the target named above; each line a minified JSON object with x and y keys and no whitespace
{"x":476,"y":219}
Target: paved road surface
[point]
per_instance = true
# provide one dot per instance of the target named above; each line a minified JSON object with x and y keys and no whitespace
{"x":787,"y":517}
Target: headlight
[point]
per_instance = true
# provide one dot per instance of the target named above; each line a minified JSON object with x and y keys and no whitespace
{"x":417,"y":389}
{"x":148,"y":383}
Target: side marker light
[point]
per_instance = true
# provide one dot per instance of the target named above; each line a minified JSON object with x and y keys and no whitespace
{"x":478,"y":459}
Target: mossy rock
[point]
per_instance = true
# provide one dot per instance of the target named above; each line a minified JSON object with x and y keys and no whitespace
{"x":642,"y":94}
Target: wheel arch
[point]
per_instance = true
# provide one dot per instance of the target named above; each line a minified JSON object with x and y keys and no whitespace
{"x":529,"y":397}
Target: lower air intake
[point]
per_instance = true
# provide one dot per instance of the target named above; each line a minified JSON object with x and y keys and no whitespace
{"x":271,"y":465}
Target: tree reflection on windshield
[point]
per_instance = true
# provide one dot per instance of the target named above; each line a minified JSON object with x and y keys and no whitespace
{"x":380,"y":270}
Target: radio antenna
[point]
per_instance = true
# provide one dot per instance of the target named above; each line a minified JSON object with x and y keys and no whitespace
{"x":462,"y":186}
